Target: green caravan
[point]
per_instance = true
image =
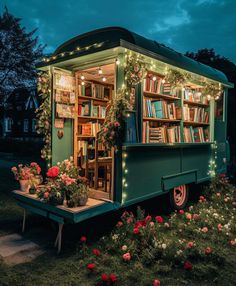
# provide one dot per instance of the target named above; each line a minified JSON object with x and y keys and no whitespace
{"x":175,"y":122}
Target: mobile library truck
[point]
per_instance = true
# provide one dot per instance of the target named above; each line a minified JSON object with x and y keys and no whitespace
{"x":139,"y":119}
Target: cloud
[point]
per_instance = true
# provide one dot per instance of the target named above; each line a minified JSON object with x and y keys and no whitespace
{"x":182,"y":24}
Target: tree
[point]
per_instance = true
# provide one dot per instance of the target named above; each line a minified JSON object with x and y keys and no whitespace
{"x":19,"y":52}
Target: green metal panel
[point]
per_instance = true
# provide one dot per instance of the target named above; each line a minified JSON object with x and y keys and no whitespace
{"x":151,"y":169}
{"x":175,"y":180}
{"x":56,"y":218}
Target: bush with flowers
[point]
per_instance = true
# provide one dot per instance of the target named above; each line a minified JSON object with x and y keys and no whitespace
{"x":185,"y":247}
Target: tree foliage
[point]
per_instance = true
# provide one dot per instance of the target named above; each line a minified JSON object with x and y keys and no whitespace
{"x":19,"y":52}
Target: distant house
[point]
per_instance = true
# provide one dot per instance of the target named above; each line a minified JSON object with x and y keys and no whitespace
{"x":18,"y":111}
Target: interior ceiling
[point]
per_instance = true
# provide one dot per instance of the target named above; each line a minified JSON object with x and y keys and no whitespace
{"x":108,"y":72}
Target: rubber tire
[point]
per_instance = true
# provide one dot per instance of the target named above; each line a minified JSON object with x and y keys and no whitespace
{"x":172,"y":202}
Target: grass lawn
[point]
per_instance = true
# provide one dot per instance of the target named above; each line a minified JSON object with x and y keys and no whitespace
{"x":137,"y":248}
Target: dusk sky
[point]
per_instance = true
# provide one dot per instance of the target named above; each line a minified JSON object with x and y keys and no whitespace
{"x":184,"y":25}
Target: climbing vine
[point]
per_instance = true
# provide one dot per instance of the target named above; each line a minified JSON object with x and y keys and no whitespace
{"x":43,"y":114}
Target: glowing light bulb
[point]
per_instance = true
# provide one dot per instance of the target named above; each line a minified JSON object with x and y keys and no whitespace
{"x":163,"y":81}
{"x":154,"y":78}
{"x":104,"y":79}
{"x":82,"y":77}
{"x":117,"y":62}
{"x":82,"y":82}
{"x":100,"y":71}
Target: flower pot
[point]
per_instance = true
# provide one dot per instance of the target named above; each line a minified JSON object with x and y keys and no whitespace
{"x":82,"y":201}
{"x":56,"y":201}
{"x":24,"y":185}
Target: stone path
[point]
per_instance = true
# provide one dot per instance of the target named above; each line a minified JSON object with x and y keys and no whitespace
{"x":14,"y":249}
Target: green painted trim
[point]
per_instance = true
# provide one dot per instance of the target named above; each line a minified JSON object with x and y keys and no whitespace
{"x":142,"y":198}
{"x":165,"y":145}
{"x":204,"y":180}
{"x":56,"y":218}
{"x":33,"y":209}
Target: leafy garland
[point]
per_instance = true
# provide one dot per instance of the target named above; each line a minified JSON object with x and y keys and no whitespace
{"x":112,"y":132}
{"x":43,"y":114}
{"x":212,"y":90}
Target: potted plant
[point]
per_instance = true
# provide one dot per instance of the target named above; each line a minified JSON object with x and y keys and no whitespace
{"x":83,"y":192}
{"x":51,"y":193}
{"x":35,"y":170}
{"x":23,"y":175}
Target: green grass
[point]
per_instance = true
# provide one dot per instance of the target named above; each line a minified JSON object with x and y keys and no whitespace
{"x":148,"y":262}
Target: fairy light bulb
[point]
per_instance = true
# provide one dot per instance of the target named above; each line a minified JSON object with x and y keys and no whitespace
{"x":154,"y":78}
{"x":117,"y":62}
{"x":99,"y":71}
{"x":104,"y":79}
{"x":163,"y":81}
{"x":82,"y":82}
{"x":82,"y":77}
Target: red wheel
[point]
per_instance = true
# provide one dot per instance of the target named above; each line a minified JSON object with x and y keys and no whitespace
{"x":179,"y":197}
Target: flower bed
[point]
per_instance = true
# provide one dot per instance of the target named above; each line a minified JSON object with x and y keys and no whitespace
{"x":144,"y":249}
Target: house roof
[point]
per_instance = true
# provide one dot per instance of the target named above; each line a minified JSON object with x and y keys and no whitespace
{"x":116,"y":36}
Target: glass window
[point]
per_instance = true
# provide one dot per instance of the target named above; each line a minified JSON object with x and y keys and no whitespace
{"x":8,"y":124}
{"x":219,"y":108}
{"x":34,"y":125}
{"x":26,"y":125}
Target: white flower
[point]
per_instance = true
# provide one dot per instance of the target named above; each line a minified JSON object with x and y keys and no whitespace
{"x":115,"y":237}
{"x":124,"y":247}
{"x":163,"y":245}
{"x":179,"y":252}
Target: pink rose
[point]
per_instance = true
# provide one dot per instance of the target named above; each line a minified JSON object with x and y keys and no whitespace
{"x":126,"y":256}
{"x":204,"y":229}
{"x":190,"y":244}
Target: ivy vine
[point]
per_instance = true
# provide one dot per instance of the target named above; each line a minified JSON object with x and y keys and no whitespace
{"x":43,"y":114}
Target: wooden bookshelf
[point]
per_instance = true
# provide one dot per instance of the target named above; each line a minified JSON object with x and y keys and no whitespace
{"x":160,"y":96}
{"x":80,"y":97}
{"x":161,"y":120}
{"x":85,"y":136}
{"x":193,"y":103}
{"x":193,"y":123}
{"x":90,"y":118}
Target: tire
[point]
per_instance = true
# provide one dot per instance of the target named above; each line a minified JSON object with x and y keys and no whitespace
{"x":178,"y":197}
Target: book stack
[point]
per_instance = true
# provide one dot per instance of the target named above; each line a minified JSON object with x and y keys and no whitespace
{"x":151,"y":85}
{"x":195,"y":114}
{"x":89,"y":129}
{"x":88,"y":109}
{"x":195,"y":135}
{"x":162,"y":134}
{"x":160,"y":109}
{"x":98,"y":91}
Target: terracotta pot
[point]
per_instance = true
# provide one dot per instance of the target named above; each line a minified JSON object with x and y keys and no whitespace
{"x":24,"y":185}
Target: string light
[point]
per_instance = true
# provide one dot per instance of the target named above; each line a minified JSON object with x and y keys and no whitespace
{"x":117,"y":61}
{"x":99,"y":71}
{"x":104,"y":79}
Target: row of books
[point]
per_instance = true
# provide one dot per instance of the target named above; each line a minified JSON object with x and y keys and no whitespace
{"x":162,"y":134}
{"x":160,"y":109}
{"x":157,"y":86}
{"x":196,"y":135}
{"x":85,"y":145}
{"x":195,"y":96}
{"x":195,"y":114}
{"x":89,"y":129}
{"x":94,"y":90}
{"x":87,"y":108}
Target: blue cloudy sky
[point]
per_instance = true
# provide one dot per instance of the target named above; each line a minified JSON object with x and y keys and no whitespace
{"x":184,"y":25}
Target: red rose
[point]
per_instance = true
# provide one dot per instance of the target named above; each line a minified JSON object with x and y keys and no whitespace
{"x":148,"y":218}
{"x":159,"y":219}
{"x":113,"y":278}
{"x":190,"y":244}
{"x":83,"y":239}
{"x":104,"y":277}
{"x":45,"y":195}
{"x":181,"y":211}
{"x":96,"y":252}
{"x":91,"y":266}
{"x":156,"y":282}
{"x":53,"y":172}
{"x":188,"y":265}
{"x":208,"y":250}
{"x":136,"y":230}
{"x":119,"y":224}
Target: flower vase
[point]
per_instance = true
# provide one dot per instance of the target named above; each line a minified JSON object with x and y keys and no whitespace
{"x":82,"y":200}
{"x":24,"y":185}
